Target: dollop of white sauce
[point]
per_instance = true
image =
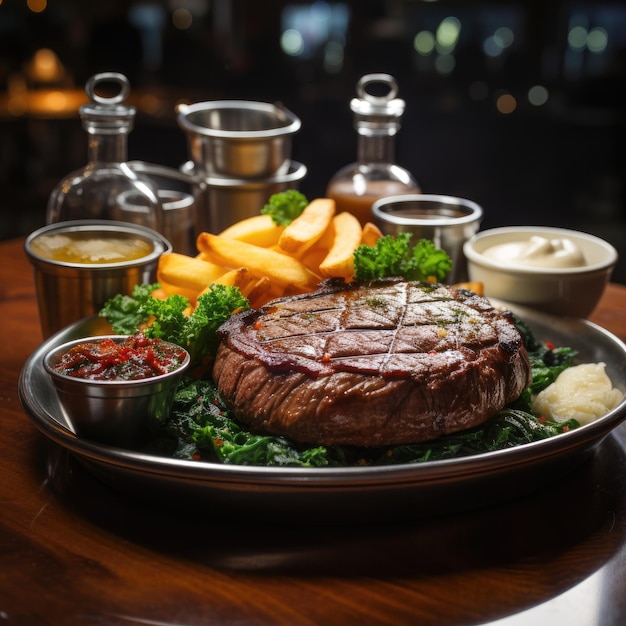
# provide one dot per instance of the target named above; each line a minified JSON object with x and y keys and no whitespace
{"x":583,"y":392}
{"x":538,"y":252}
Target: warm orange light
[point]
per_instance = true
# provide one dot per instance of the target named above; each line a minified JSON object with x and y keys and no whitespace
{"x":55,"y":101}
{"x":506,"y":103}
{"x":37,"y":6}
{"x":46,"y":66}
{"x":149,"y":103}
{"x":182,"y":19}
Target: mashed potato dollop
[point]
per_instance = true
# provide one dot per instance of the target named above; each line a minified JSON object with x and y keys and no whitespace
{"x":582,"y":392}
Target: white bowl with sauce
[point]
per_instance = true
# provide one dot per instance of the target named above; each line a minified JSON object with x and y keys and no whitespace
{"x":554,"y":270}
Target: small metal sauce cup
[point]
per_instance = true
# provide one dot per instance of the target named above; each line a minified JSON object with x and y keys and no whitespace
{"x":68,"y":292}
{"x":176,"y":191}
{"x":222,"y":201}
{"x":122,"y":413}
{"x":238,"y":138}
{"x":445,"y":220}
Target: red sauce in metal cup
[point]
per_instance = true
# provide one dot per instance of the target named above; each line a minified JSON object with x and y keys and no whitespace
{"x":135,"y":358}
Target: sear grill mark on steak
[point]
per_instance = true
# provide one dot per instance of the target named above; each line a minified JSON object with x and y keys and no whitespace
{"x":370,"y":364}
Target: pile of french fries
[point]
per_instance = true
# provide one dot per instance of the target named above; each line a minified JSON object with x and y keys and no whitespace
{"x":267,"y":261}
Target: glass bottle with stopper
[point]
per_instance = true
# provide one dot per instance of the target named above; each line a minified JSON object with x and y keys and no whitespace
{"x":107,"y":187}
{"x":375,"y":174}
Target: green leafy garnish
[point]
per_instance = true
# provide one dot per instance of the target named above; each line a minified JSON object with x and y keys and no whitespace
{"x":125,"y":313}
{"x":285,"y":206}
{"x":168,"y":319}
{"x":394,"y":256}
{"x":546,"y":363}
{"x":200,"y":426}
{"x":507,"y":429}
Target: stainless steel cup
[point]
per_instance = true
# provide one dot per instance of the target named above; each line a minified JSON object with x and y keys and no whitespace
{"x":238,"y":138}
{"x":69,"y":291}
{"x":222,"y":201}
{"x":445,"y":220}
{"x":116,"y":412}
{"x":176,"y":191}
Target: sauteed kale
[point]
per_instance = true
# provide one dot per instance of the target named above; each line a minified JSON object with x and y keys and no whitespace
{"x":200,"y":428}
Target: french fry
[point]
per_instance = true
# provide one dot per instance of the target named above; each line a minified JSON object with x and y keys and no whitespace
{"x":168,"y":289}
{"x":240,"y":278}
{"x":475,"y":286}
{"x":371,"y":234}
{"x":308,"y":227}
{"x":326,"y":240}
{"x":160,"y":293}
{"x":279,"y":268}
{"x":261,"y":292}
{"x":259,"y":230}
{"x":189,"y":273}
{"x":339,"y":261}
{"x":313,"y":257}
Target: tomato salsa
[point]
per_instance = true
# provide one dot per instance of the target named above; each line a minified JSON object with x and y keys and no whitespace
{"x":134,"y":358}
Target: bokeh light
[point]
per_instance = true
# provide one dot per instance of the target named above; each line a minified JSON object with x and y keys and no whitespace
{"x":182,"y":19}
{"x":538,"y":95}
{"x":597,"y":40}
{"x":506,"y":103}
{"x":292,"y":42}
{"x":333,"y":57}
{"x":445,"y":63}
{"x":504,"y":37}
{"x":424,"y":42}
{"x":577,"y":37}
{"x":37,"y":6}
{"x":447,"y":34}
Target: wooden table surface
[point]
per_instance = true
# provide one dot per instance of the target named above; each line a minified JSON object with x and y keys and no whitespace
{"x":73,"y":551}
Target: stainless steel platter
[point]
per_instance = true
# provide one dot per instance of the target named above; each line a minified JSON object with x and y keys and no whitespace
{"x":339,"y":495}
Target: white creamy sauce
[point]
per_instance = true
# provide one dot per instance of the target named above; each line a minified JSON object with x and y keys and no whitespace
{"x":583,"y":392}
{"x":538,"y":252}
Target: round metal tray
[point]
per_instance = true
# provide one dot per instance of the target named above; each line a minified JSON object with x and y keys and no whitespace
{"x":345,"y":494}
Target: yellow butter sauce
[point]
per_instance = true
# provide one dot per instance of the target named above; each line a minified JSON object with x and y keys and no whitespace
{"x":91,"y":248}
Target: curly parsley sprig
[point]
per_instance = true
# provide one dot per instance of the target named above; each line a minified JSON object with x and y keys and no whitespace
{"x":285,"y":206}
{"x":394,"y":256}
{"x":168,"y":318}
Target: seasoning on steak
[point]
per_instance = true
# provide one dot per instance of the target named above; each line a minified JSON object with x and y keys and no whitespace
{"x":370,"y":364}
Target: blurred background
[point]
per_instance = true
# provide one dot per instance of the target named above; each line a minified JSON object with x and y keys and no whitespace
{"x":517,"y":105}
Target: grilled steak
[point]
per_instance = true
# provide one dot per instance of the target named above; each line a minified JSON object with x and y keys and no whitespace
{"x":370,"y":364}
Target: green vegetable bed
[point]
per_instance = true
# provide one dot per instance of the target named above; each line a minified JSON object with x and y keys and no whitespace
{"x":201,"y":429}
